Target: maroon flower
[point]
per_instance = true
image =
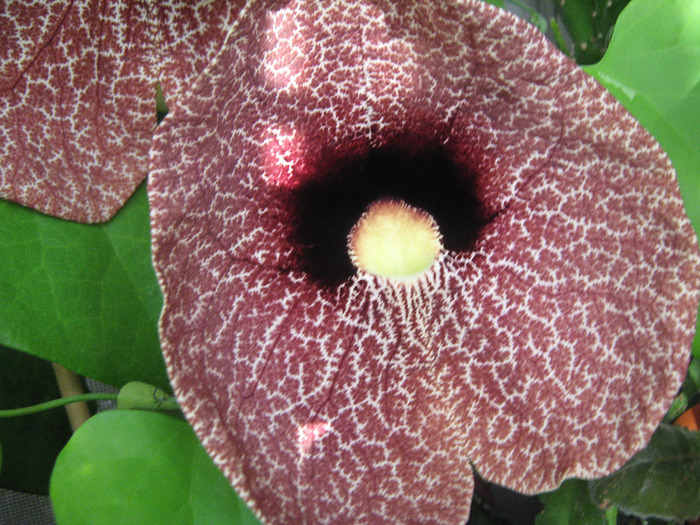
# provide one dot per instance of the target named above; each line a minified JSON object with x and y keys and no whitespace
{"x":77,"y":88}
{"x":545,"y":340}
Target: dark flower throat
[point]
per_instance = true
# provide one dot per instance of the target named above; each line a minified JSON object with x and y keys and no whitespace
{"x":325,"y":207}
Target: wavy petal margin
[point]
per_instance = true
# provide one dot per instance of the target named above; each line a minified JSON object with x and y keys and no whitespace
{"x":549,"y":349}
{"x":77,"y":87}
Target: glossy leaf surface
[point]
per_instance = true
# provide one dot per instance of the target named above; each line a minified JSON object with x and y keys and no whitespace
{"x":141,"y":467}
{"x":82,"y":295}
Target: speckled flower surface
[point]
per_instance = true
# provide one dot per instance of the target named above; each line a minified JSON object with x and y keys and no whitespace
{"x":77,"y":91}
{"x":548,"y":346}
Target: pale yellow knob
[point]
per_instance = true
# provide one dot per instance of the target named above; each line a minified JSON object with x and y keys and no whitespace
{"x":394,"y":239}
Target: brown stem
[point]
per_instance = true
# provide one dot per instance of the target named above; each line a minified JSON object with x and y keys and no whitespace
{"x":69,"y":385}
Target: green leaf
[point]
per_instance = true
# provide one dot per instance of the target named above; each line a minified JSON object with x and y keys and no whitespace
{"x":30,"y":443}
{"x":653,"y":67}
{"x":84,"y":296}
{"x":661,"y":481}
{"x":570,"y":504}
{"x":589,"y":23}
{"x":131,"y":466}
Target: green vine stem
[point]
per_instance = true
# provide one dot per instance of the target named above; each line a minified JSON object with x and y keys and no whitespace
{"x":55,"y":403}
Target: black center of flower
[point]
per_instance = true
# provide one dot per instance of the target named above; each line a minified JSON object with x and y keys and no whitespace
{"x":326,"y":207}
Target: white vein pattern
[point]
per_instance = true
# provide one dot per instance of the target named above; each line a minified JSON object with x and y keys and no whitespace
{"x":77,"y":92}
{"x":549,"y":350}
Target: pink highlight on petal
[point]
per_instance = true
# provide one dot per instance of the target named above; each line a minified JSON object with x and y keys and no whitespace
{"x":309,"y":433}
{"x":286,"y":51}
{"x":283,"y":156}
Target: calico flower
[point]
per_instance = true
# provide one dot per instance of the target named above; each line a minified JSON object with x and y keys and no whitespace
{"x":543,"y":338}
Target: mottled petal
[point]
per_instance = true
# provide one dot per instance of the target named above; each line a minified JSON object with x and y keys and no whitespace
{"x":548,"y":348}
{"x":188,"y":35}
{"x":77,"y":87}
